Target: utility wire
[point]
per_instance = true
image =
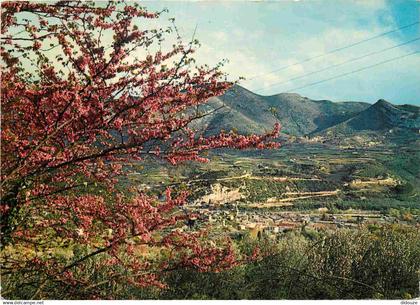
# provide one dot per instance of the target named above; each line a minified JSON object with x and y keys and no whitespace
{"x":354,"y":71}
{"x":334,"y":50}
{"x":339,"y":64}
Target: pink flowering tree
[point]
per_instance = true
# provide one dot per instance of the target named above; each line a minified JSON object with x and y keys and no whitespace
{"x":86,"y":90}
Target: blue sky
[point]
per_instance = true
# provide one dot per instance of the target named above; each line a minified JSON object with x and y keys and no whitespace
{"x":260,"y":36}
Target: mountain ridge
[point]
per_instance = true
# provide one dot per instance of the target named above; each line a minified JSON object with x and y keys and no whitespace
{"x":247,"y":112}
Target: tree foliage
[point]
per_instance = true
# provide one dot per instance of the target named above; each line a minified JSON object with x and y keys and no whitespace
{"x":345,"y":264}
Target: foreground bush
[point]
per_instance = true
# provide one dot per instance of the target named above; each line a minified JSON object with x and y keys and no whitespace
{"x":377,"y":262}
{"x":360,"y":264}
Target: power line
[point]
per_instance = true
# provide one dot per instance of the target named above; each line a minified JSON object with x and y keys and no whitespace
{"x":335,"y":50}
{"x":339,"y":64}
{"x":354,"y":71}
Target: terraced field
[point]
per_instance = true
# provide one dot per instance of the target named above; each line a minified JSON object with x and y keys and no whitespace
{"x":297,"y":177}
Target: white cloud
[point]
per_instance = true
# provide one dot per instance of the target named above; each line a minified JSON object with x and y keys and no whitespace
{"x":219,"y":36}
